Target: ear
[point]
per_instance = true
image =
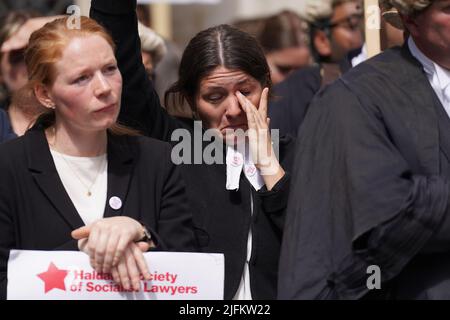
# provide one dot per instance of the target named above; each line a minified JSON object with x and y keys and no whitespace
{"x":322,"y":43}
{"x":43,"y":96}
{"x":411,"y":25}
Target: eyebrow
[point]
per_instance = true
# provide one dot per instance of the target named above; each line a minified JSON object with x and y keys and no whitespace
{"x":84,"y":69}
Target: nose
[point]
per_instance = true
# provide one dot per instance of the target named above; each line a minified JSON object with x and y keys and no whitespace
{"x":102,"y":86}
{"x":234,"y":108}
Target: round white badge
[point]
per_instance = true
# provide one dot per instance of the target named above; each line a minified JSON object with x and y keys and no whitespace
{"x":115,"y":203}
{"x":237,"y":160}
{"x":251,"y":171}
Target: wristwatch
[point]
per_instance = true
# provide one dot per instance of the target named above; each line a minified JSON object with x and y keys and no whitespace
{"x":147,"y":237}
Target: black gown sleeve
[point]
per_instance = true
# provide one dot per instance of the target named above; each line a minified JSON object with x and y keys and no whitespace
{"x":274,"y":202}
{"x":140,"y":107}
{"x":356,"y":203}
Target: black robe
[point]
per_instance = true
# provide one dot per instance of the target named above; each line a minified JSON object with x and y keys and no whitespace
{"x":371,"y":187}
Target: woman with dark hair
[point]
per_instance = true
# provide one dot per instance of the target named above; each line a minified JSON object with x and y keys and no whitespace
{"x":238,"y":206}
{"x":79,"y":173}
{"x":285,"y":40}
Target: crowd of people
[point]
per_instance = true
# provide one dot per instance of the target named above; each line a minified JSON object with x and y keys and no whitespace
{"x":327,"y":162}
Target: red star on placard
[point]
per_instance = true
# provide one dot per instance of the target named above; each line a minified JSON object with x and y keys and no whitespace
{"x":53,"y":278}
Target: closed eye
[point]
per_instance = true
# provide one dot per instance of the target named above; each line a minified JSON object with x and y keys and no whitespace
{"x":110,"y":69}
{"x":81,"y":80}
{"x":214,"y":97}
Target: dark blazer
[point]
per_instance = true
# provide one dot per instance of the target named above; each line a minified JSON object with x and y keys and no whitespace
{"x":6,"y":132}
{"x":36,"y":212}
{"x":372,"y":179}
{"x":292,"y":98}
{"x":222,"y":218}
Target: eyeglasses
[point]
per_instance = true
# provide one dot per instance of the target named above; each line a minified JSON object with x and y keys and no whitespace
{"x":352,"y":22}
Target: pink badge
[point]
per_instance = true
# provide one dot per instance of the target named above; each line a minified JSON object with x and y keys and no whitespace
{"x":251,"y":171}
{"x":237,"y":161}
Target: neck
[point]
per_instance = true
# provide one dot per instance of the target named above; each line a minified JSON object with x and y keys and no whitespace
{"x":77,"y":143}
{"x":434,"y":55}
{"x":20,"y":121}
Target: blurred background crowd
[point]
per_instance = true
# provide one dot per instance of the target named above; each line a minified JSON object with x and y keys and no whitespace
{"x":293,"y":33}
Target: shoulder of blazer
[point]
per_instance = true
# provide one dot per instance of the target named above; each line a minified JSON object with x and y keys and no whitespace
{"x":139,"y":147}
{"x":12,"y":150}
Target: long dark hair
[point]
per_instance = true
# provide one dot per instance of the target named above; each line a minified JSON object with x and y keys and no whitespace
{"x":217,"y":46}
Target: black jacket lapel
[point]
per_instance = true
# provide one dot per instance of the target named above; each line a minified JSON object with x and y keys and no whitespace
{"x":42,"y":167}
{"x":120,"y":169}
{"x":426,"y":103}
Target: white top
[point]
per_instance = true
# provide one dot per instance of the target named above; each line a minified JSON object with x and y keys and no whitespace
{"x":361,"y":57}
{"x":93,"y":173}
{"x":438,"y":76}
{"x":237,"y":162}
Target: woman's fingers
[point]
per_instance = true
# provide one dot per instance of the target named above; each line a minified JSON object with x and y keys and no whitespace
{"x":143,"y":246}
{"x":100,"y":250}
{"x":255,"y":117}
{"x":140,"y":261}
{"x":115,"y":275}
{"x":263,"y":103}
{"x":130,"y":268}
{"x":122,"y":270}
{"x":120,"y":250}
{"x":110,"y":252}
{"x":249,"y":109}
{"x":81,"y":233}
{"x":133,"y":271}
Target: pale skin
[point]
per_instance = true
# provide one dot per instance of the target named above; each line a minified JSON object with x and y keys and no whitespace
{"x":231,"y":100}
{"x":86,"y":97}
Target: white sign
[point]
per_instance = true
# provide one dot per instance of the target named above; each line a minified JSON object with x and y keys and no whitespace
{"x":67,"y":275}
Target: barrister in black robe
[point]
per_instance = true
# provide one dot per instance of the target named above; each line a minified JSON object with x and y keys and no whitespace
{"x":371,"y":188}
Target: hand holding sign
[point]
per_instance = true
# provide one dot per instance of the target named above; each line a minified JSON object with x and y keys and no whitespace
{"x":131,"y":266}
{"x":110,"y":244}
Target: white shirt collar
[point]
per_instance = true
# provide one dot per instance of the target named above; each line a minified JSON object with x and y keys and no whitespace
{"x":432,"y":69}
{"x":236,"y":162}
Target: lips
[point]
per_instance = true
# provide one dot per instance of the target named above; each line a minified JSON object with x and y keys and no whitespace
{"x":107,"y":108}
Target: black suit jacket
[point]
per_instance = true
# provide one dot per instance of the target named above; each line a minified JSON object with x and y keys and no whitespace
{"x":222,"y":218}
{"x":36,"y":212}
